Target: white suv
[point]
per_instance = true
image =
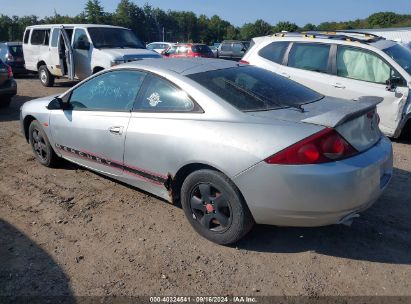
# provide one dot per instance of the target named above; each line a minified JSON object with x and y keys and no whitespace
{"x":344,"y":65}
{"x":77,"y":51}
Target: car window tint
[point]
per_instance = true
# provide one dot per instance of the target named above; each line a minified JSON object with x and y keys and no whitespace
{"x":361,"y":65}
{"x":37,"y":37}
{"x":26,"y":36}
{"x":115,"y":90}
{"x":274,"y":51}
{"x":162,"y":96}
{"x":55,"y":37}
{"x":80,"y":39}
{"x":309,"y":56}
{"x":237,"y":47}
{"x":249,"y":88}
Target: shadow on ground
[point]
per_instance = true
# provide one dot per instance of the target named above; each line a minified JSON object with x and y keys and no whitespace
{"x":27,"y":272}
{"x":382,"y":233}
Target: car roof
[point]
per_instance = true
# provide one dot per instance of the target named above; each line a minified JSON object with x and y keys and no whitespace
{"x":182,"y":66}
{"x":73,"y":25}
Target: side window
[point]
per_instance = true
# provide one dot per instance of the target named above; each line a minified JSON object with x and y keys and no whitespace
{"x":26,"y":36}
{"x":114,"y":91}
{"x":226,"y":47}
{"x":237,"y":47}
{"x":161,"y":96}
{"x":55,"y":37}
{"x":172,"y":50}
{"x":309,"y":56}
{"x":80,"y":40}
{"x":361,"y":65}
{"x":37,"y":37}
{"x":46,"y":37}
{"x":274,"y":51}
{"x":182,"y":50}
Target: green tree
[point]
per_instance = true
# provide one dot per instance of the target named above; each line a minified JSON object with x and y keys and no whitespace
{"x":383,"y":19}
{"x":94,"y":12}
{"x":285,"y":26}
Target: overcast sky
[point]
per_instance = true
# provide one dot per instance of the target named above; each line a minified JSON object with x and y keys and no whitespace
{"x":237,"y":12}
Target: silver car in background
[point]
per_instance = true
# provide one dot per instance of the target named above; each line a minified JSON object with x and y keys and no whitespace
{"x":235,"y":144}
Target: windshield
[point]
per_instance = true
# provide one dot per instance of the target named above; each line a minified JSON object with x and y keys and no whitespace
{"x":250,"y":88}
{"x":401,"y":55}
{"x":105,"y":37}
{"x":16,"y":50}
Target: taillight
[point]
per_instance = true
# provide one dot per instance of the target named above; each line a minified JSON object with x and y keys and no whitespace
{"x":9,"y":72}
{"x":244,"y":62}
{"x":322,"y":147}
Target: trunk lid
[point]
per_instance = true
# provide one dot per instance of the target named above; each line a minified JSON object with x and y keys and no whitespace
{"x":356,"y":121}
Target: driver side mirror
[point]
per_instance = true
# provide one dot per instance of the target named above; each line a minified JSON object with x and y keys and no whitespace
{"x":392,"y":84}
{"x":58,"y":104}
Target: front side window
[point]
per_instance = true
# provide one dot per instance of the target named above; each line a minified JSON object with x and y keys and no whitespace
{"x":162,"y":96}
{"x":309,"y":56}
{"x":80,"y":40}
{"x":359,"y":64}
{"x":274,"y":51}
{"x":114,"y":91}
{"x":181,"y":50}
{"x":249,"y":88}
{"x":106,"y":37}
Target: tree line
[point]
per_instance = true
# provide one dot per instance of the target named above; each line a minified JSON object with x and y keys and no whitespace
{"x":154,"y":24}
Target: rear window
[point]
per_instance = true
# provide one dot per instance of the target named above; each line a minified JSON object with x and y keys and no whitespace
{"x":202,"y":49}
{"x":26,"y":36}
{"x":309,"y":56}
{"x":250,"y":88}
{"x":16,"y":50}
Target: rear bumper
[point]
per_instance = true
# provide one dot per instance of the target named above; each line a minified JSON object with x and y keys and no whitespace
{"x":316,"y":195}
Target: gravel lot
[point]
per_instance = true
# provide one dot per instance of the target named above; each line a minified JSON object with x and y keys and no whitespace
{"x":68,"y":231}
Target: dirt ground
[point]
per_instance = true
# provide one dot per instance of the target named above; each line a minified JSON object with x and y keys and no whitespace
{"x":68,"y":231}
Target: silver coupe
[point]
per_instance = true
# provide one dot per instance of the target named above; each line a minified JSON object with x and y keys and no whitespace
{"x":234,"y":144}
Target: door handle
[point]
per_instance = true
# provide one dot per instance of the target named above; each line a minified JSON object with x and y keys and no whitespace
{"x":338,"y":85}
{"x":285,"y":75}
{"x":116,"y":130}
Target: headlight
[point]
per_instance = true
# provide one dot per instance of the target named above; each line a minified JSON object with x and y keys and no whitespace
{"x":116,"y":62}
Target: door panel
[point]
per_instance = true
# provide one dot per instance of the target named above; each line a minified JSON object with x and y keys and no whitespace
{"x":68,"y":53}
{"x":84,"y":137}
{"x":82,"y":54}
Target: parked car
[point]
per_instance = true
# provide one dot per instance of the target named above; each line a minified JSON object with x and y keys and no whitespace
{"x":158,"y":47}
{"x":235,"y":144}
{"x":8,"y":86}
{"x":76,"y":51}
{"x":12,"y":54}
{"x":214,"y":49}
{"x":344,"y":65}
{"x":233,"y":49}
{"x":181,"y":50}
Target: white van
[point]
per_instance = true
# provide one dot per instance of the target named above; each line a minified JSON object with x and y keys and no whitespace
{"x":76,"y":51}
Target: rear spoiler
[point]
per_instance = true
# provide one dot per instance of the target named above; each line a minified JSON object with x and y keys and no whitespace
{"x":350,"y":110}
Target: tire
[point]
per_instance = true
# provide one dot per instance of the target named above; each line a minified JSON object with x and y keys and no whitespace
{"x":6,"y":102}
{"x":45,"y":76}
{"x":224,"y":218}
{"x":40,"y":145}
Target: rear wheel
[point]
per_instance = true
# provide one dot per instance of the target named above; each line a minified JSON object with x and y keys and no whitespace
{"x":40,"y":144}
{"x":45,"y":76}
{"x":214,"y":207}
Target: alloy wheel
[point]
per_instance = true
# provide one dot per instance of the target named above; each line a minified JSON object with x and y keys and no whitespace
{"x":39,"y":145}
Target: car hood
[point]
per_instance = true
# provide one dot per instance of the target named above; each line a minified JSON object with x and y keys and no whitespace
{"x":38,"y":103}
{"x":131,"y":54}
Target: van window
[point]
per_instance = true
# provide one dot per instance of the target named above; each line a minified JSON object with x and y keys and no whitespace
{"x":226,"y":47}
{"x":40,"y":37}
{"x":55,"y":37}
{"x":309,"y":56}
{"x":80,"y":40}
{"x":361,"y":65}
{"x":274,"y":51}
{"x":26,"y":36}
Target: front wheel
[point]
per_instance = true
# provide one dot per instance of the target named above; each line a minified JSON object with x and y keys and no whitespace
{"x":45,"y":76}
{"x":40,"y":144}
{"x":215,"y":207}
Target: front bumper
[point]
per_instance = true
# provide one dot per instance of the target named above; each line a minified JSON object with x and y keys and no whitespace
{"x":316,"y":195}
